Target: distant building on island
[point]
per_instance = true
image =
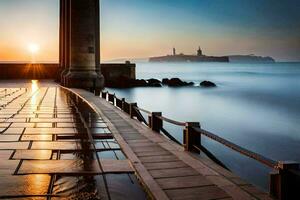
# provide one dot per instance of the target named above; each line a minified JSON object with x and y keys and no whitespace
{"x":199,"y":57}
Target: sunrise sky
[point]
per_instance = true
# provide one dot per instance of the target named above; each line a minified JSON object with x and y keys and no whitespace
{"x":139,"y":28}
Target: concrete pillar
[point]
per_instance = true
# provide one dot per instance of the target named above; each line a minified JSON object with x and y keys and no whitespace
{"x":82,"y":44}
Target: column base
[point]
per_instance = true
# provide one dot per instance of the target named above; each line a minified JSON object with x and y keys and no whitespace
{"x":63,"y":75}
{"x":58,"y":76}
{"x":84,"y":80}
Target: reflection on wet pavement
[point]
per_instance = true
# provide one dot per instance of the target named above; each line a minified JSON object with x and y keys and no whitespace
{"x":53,"y":146}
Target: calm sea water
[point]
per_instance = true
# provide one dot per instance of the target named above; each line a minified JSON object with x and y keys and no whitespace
{"x":256,"y":106}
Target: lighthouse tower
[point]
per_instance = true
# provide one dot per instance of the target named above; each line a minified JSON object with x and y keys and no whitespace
{"x":199,"y":52}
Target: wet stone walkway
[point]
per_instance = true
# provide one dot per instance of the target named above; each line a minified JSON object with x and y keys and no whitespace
{"x":54,"y":146}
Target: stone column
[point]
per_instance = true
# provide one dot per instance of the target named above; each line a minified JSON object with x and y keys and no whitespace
{"x":65,"y":15}
{"x":97,"y":29}
{"x":61,"y":44}
{"x":83,"y":54}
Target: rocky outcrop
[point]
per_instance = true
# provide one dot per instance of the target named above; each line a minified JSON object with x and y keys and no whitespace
{"x":124,"y":82}
{"x":153,"y":81}
{"x":207,"y":84}
{"x":176,"y":82}
{"x":138,"y":83}
{"x":165,"y":81}
{"x":155,"y":85}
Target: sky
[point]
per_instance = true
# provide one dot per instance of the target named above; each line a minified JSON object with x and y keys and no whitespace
{"x":144,"y":28}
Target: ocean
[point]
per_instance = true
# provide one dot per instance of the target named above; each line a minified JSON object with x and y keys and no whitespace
{"x":256,"y":106}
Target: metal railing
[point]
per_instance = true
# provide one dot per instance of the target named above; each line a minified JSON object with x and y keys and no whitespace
{"x":284,"y":180}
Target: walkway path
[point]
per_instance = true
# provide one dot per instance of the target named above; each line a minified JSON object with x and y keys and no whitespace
{"x":166,"y":170}
{"x":56,"y":144}
{"x":52,"y":147}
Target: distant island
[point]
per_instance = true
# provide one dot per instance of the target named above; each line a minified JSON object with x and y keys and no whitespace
{"x":250,"y":59}
{"x":199,"y":57}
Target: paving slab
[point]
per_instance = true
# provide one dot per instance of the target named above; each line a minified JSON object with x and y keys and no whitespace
{"x":74,"y":167}
{"x":32,"y":155}
{"x":37,"y":184}
{"x":14,"y":145}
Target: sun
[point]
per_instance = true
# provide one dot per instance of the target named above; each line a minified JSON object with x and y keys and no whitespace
{"x":33,"y":48}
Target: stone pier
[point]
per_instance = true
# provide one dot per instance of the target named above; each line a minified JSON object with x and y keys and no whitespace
{"x":80,"y":44}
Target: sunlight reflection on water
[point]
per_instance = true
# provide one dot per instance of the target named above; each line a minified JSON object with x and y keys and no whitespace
{"x":34,"y":85}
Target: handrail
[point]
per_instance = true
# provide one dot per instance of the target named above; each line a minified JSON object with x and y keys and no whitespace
{"x":269,"y":162}
{"x":143,"y":110}
{"x":171,"y":121}
{"x":266,"y":161}
{"x":287,"y":173}
{"x":162,"y":117}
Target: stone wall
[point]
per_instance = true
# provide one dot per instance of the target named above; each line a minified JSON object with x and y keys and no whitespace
{"x":28,"y":71}
{"x":113,"y":71}
{"x":110,"y":71}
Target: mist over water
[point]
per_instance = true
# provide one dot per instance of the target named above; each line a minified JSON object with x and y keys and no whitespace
{"x":256,"y":106}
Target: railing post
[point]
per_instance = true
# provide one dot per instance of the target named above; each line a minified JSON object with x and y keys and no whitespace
{"x":123,"y":104}
{"x":114,"y":99}
{"x":149,"y":121}
{"x":191,"y":138}
{"x":111,"y":98}
{"x":97,"y":92}
{"x":132,"y":110}
{"x":103,"y":95}
{"x":284,"y":184}
{"x":155,"y":123}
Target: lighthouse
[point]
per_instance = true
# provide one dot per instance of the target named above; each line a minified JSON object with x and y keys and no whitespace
{"x":174,"y":52}
{"x":199,"y":52}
